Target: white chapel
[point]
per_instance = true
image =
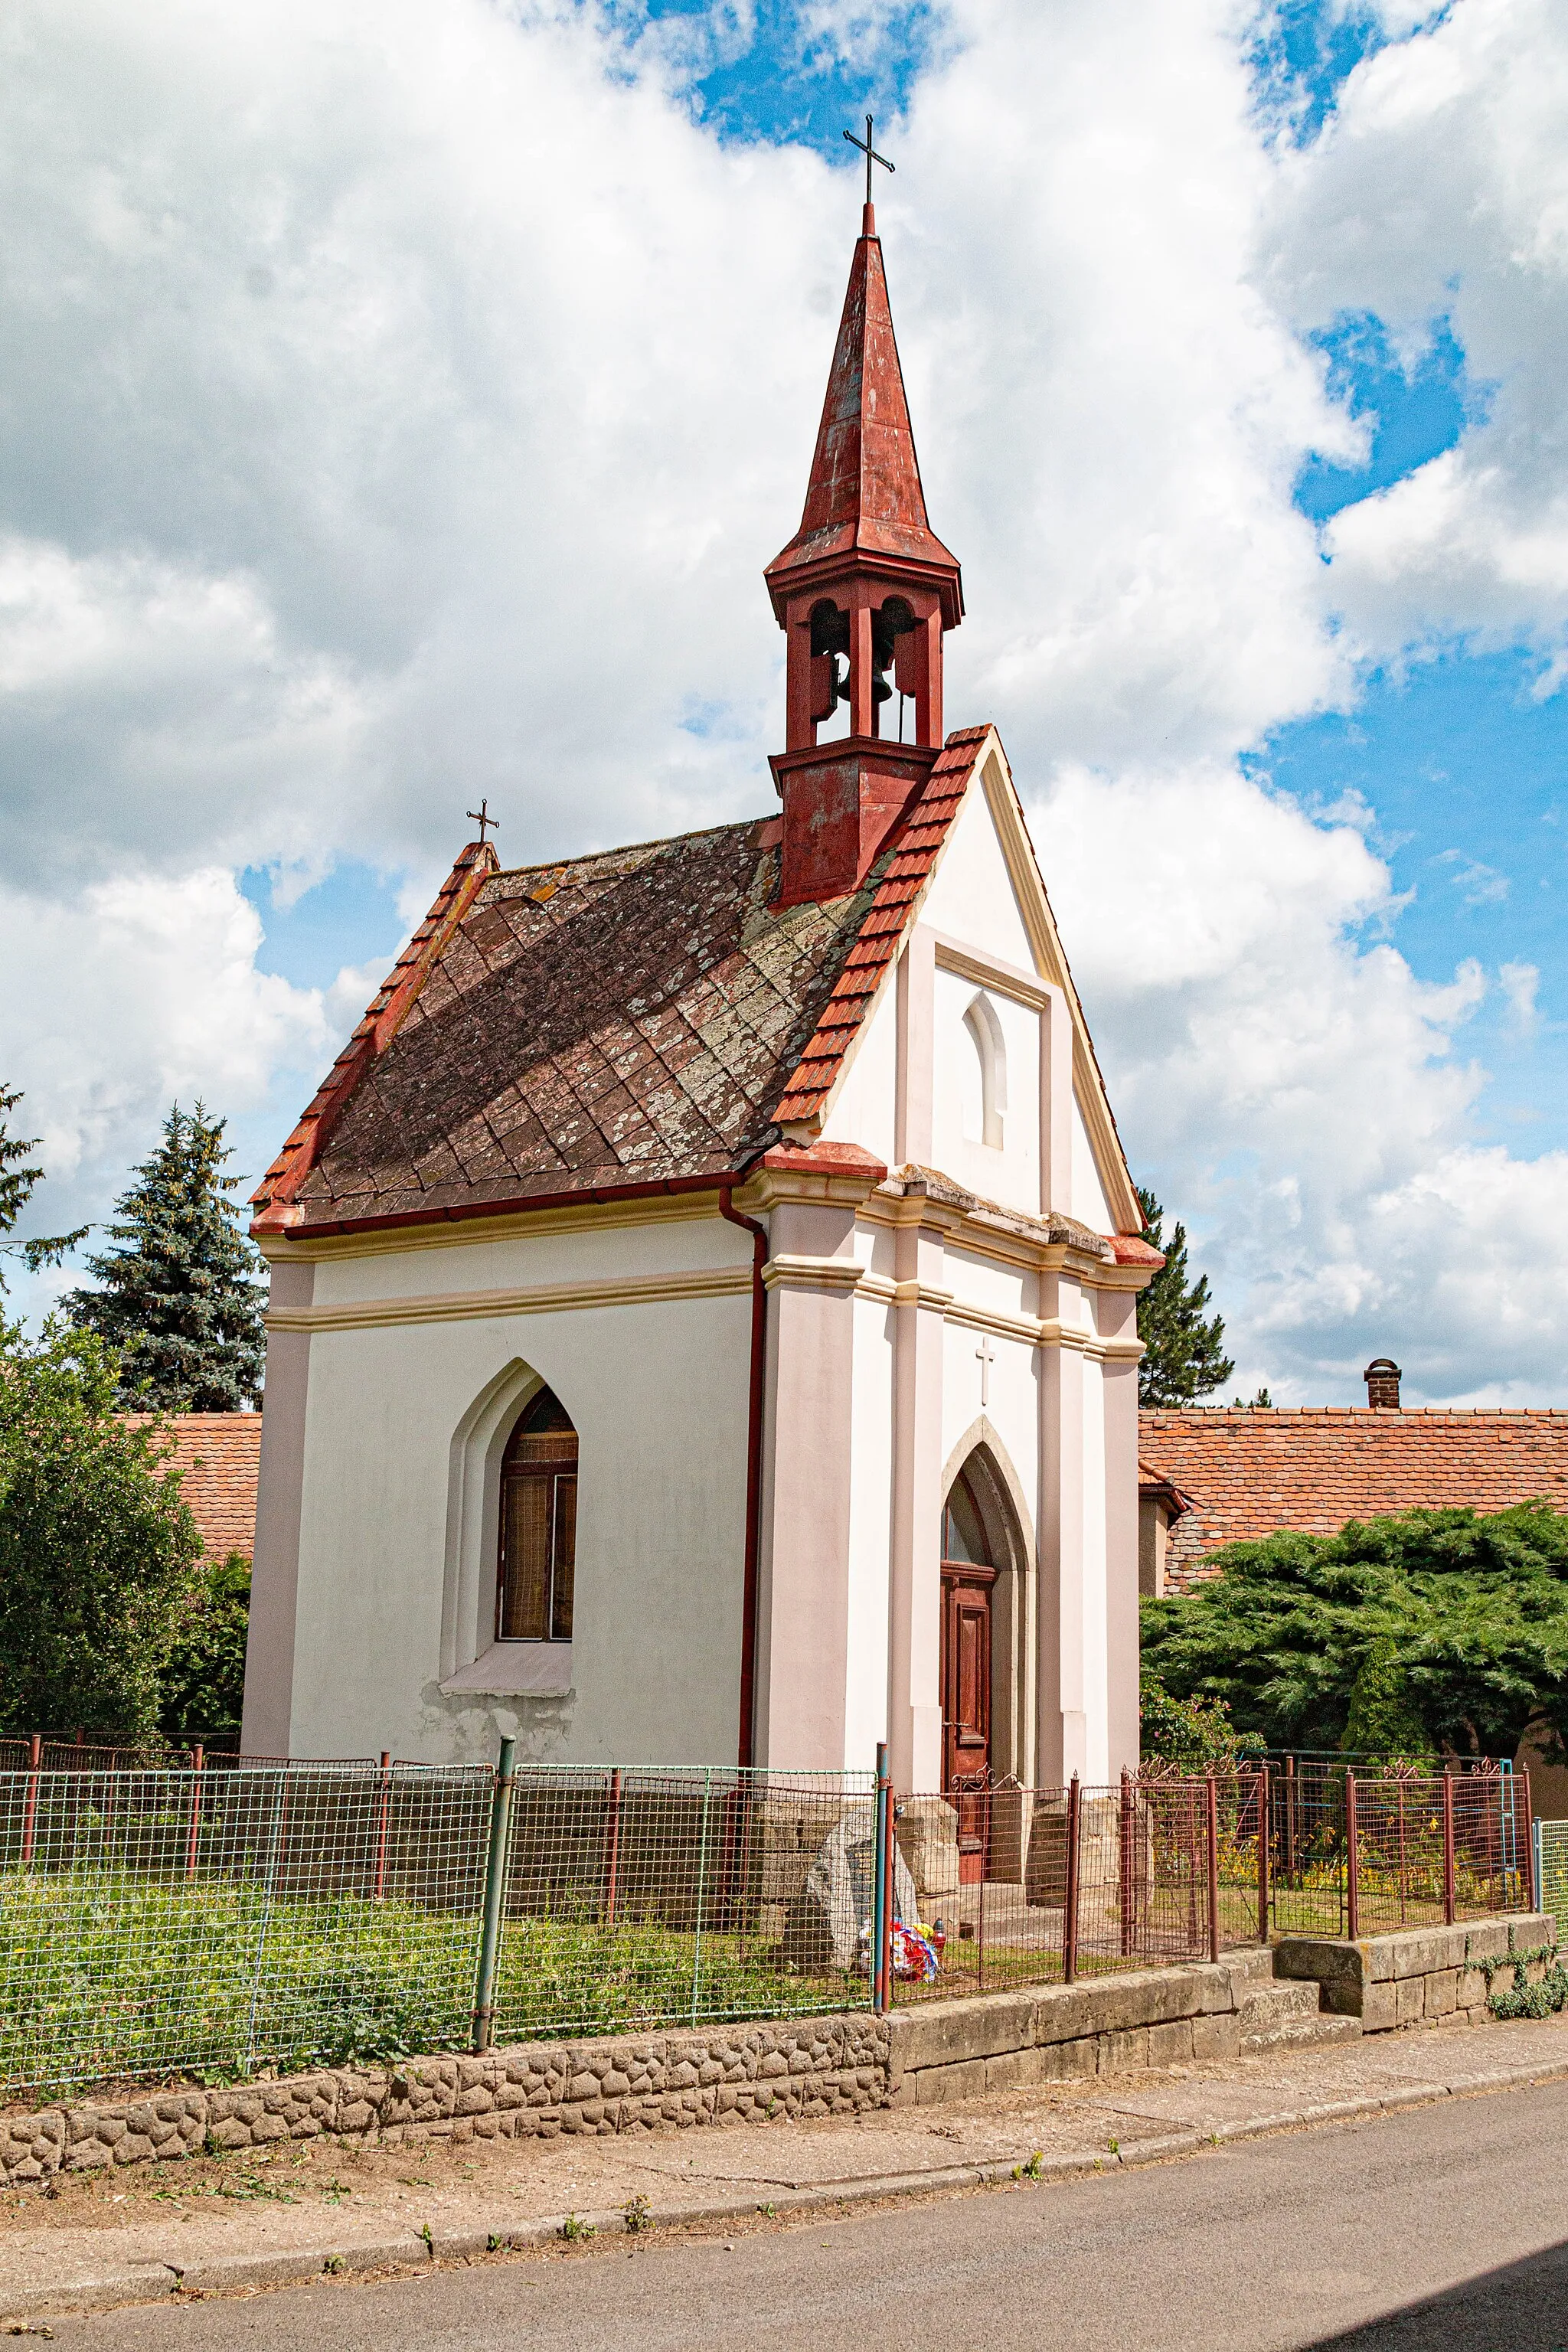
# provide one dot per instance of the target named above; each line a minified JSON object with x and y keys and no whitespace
{"x":703,"y":1291}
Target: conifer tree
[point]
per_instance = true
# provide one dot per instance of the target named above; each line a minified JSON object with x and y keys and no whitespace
{"x":1183,"y":1349}
{"x":179,"y":1299}
{"x":17,"y":1183}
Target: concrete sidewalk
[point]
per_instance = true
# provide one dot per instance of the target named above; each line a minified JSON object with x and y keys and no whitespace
{"x":207,"y":2225}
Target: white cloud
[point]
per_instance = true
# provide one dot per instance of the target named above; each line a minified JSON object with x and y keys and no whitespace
{"x":1310,"y":1096}
{"x":134,"y":992}
{"x":1439,"y":188}
{"x":398,"y":406}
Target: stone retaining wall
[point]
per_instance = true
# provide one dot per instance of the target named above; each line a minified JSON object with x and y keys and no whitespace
{"x":633,"y":2082}
{"x":1049,"y":2033}
{"x":1426,"y":1975}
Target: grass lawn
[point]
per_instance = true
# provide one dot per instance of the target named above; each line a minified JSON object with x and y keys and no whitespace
{"x":104,"y":1976}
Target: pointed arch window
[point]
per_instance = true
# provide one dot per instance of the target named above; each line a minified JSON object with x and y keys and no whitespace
{"x":538,"y":1542}
{"x":986,"y":1033}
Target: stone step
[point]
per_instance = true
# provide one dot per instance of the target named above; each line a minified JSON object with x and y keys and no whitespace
{"x":1299,"y":2033}
{"x":1282,"y":2001}
{"x":1249,"y":1972}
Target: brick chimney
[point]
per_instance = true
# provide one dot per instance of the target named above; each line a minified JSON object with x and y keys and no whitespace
{"x":1382,"y":1378}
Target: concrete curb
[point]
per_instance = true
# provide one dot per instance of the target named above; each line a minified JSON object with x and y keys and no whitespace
{"x":143,"y":2283}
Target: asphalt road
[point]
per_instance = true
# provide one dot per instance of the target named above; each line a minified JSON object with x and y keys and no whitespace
{"x":1441,"y":2230}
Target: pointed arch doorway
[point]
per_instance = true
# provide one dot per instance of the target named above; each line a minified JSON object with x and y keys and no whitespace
{"x":968,"y":1584}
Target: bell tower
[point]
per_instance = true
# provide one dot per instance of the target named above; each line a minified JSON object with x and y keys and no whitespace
{"x":863,"y":592}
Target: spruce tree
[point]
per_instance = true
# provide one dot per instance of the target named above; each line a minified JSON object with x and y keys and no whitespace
{"x":179,"y":1299}
{"x":1183,"y":1350}
{"x":17,"y":1183}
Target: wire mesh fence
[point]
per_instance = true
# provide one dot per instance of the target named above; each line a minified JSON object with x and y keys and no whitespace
{"x":214,"y":1922}
{"x":1551,"y":1871}
{"x":1014,"y":1886}
{"x":1357,"y":1853}
{"x":643,"y":1898}
{"x":155,"y":1922}
{"x":224,"y":1917}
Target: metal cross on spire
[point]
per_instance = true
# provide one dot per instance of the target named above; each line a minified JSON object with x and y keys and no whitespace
{"x":483,"y":819}
{"x":870,"y":154}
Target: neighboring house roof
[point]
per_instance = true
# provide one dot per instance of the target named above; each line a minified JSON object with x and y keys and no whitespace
{"x":1249,"y":1472}
{"x":1154,"y":1488}
{"x":640,"y":1020}
{"x":219,"y":1457}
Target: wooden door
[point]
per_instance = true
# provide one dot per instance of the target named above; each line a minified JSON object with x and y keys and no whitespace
{"x":966,"y":1705}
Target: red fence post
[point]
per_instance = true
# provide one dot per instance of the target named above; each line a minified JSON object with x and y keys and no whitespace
{"x":194,"y":1830}
{"x":889,"y":1886}
{"x":1265,"y":1826}
{"x":381,"y":1825}
{"x":1535,"y":1893}
{"x":1449,"y":1904}
{"x":1352,"y":1863}
{"x":613,"y":1846}
{"x":1211,"y":1809}
{"x":30,"y":1811}
{"x":1129,"y":1829}
{"x":1069,"y":1905}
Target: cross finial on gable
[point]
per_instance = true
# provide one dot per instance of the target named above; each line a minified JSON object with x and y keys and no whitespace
{"x":870,"y":223}
{"x":482,"y":818}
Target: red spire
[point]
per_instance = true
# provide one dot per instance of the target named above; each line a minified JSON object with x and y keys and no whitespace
{"x":865,"y":495}
{"x":863,"y":593}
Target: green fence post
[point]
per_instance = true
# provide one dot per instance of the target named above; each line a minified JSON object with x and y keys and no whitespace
{"x":495,"y":1895}
{"x":701,"y":1892}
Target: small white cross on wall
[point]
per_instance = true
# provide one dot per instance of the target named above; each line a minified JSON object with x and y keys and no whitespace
{"x":986,"y":1357}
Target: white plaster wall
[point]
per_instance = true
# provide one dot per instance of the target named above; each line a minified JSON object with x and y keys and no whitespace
{"x":972,"y":897}
{"x":1012,"y":1408}
{"x":870,"y":1499}
{"x":1089,"y":1202}
{"x":1010,"y":1174}
{"x":658,"y":1393}
{"x":454,"y":1261}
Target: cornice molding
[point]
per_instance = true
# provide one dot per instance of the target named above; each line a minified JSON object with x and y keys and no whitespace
{"x":537,"y":1298}
{"x":473,"y":1233}
{"x":792,"y":1271}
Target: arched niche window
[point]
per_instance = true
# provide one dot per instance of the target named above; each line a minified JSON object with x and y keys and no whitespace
{"x":991,"y":1049}
{"x":538,"y":1525}
{"x":963,"y":1529}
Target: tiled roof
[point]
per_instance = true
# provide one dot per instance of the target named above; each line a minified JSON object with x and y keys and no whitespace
{"x":639,"y":1019}
{"x":218,"y":1456}
{"x":903,"y":876}
{"x":1250,"y":1471}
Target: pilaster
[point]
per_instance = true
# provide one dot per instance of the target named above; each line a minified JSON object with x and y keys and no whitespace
{"x":270,"y":1642}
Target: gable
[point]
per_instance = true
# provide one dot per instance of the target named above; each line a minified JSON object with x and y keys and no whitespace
{"x":972,"y":895}
{"x":970,"y":820}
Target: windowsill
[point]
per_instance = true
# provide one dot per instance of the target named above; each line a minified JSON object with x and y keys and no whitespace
{"x":517,"y":1670}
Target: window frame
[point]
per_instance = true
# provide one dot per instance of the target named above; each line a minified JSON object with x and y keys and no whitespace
{"x":544,"y":1424}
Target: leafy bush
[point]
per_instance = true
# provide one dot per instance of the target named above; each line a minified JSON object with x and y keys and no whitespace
{"x":96,"y":1550}
{"x":1189,"y":1733}
{"x":1438,"y":1630}
{"x":202,"y":1687}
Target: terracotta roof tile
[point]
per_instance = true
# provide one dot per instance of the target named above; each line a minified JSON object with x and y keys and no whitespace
{"x":219,"y":1457}
{"x":644,"y":1016}
{"x":1250,"y":1473}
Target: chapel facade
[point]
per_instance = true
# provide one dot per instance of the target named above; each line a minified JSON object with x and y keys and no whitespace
{"x":703,"y":1291}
